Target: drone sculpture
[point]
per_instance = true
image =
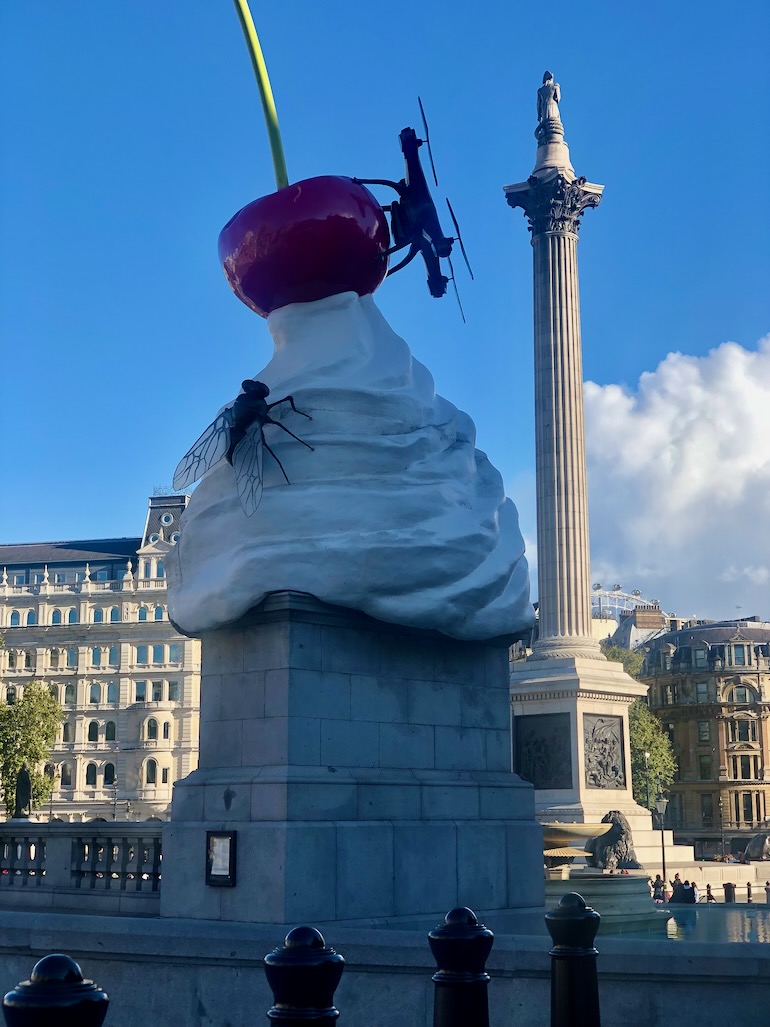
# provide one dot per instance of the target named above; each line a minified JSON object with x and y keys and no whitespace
{"x":414,"y":221}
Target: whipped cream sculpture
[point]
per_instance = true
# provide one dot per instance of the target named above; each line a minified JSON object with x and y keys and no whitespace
{"x":356,"y":483}
{"x":394,"y":512}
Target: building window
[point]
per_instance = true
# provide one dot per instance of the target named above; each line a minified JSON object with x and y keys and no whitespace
{"x":166,"y":518}
{"x":10,"y":695}
{"x":152,"y":729}
{"x":166,"y":730}
{"x":31,"y":618}
{"x":11,"y":660}
{"x":160,"y":571}
{"x":701,"y":658}
{"x":72,"y":657}
{"x":173,"y":691}
{"x":109,"y":731}
{"x":109,"y":774}
{"x":113,"y":656}
{"x":98,"y":615}
{"x":142,"y":613}
{"x":56,"y":617}
{"x":68,"y":735}
{"x":707,"y":810}
{"x":151,"y":772}
{"x":741,"y":694}
{"x":704,"y":731}
{"x":96,"y":656}
{"x":72,"y":617}
{"x":141,"y":654}
{"x":742,"y":730}
{"x":28,"y":661}
{"x":112,"y":692}
{"x":54,"y":692}
{"x":175,"y":653}
{"x":739,"y":655}
{"x":95,"y":694}
{"x":158,"y":613}
{"x":141,"y":691}
{"x":69,"y":695}
{"x":146,"y":569}
{"x":66,"y":775}
{"x":103,"y":574}
{"x":158,"y":654}
{"x":53,"y":659}
{"x":114,"y":615}
{"x":164,"y":776}
{"x":91,"y":775}
{"x":704,"y":768}
{"x":15,"y":619}
{"x":745,"y":768}
{"x":701,"y":691}
{"x":93,"y":731}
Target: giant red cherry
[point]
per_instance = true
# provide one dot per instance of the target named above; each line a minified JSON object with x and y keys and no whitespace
{"x":310,"y":240}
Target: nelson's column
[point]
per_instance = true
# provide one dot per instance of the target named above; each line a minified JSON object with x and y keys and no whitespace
{"x":570,"y":705}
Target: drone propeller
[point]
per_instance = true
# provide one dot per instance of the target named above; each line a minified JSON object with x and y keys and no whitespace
{"x":427,"y":140}
{"x":459,"y":237}
{"x":457,"y":291}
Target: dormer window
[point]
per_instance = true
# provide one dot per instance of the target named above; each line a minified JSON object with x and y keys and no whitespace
{"x":739,"y":655}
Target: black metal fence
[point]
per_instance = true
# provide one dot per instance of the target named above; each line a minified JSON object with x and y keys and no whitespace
{"x":304,"y":972}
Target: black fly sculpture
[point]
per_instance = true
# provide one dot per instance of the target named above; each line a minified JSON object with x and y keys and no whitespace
{"x":238,"y":436}
{"x":414,"y":219}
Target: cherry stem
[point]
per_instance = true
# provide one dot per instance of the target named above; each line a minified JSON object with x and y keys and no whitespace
{"x":265,"y":92}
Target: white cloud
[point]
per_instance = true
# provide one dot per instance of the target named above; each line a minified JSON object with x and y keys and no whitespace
{"x":679,"y":482}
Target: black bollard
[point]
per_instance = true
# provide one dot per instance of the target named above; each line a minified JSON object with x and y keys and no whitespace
{"x":461,"y":947}
{"x":574,"y":983}
{"x":767,"y":892}
{"x":748,"y":892}
{"x":729,"y":891}
{"x":303,"y":976}
{"x":56,"y":995}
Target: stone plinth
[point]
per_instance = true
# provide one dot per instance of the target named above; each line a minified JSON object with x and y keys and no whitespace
{"x":366,"y":770}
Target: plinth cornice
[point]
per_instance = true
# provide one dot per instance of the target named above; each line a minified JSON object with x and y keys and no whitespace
{"x":554,"y":202}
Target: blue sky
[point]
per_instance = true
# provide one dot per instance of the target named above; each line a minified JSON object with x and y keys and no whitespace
{"x":132,"y":131}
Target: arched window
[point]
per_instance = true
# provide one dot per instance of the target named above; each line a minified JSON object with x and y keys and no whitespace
{"x":56,"y":617}
{"x":12,"y":660}
{"x":113,"y":657}
{"x":158,"y":613}
{"x":152,"y":729}
{"x":15,"y":619}
{"x":67,"y":732}
{"x":28,"y":661}
{"x":96,"y":656}
{"x":31,"y":617}
{"x":166,"y":729}
{"x":93,"y":731}
{"x":109,"y":731}
{"x":10,"y":695}
{"x":114,"y":615}
{"x":69,"y":695}
{"x":158,"y":654}
{"x":54,"y":691}
{"x":72,"y":617}
{"x":72,"y":657}
{"x":146,"y":569}
{"x":53,"y":659}
{"x":142,"y":613}
{"x":161,"y":570}
{"x":66,"y":775}
{"x":109,"y":774}
{"x":112,"y":692}
{"x":151,"y":772}
{"x":95,"y":694}
{"x":91,"y":775}
{"x":98,"y":615}
{"x":141,"y":654}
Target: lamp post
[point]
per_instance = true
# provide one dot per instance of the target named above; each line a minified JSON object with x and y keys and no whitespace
{"x":722,"y":826}
{"x":115,"y":798}
{"x":660,"y":805}
{"x":647,"y":775}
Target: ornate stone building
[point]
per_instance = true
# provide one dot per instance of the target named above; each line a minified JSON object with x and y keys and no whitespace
{"x":89,"y":619}
{"x":710,"y":687}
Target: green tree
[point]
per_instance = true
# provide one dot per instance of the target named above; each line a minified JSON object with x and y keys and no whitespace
{"x":27,"y":732}
{"x":632,"y":659}
{"x":655,"y":772}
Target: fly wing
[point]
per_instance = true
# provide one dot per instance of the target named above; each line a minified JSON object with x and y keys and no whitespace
{"x":247,"y":464}
{"x":210,"y":448}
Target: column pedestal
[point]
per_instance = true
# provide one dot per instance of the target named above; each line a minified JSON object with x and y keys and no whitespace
{"x":365,"y":768}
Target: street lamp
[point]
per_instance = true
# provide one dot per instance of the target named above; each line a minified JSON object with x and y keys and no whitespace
{"x":660,"y":805}
{"x":115,"y":798}
{"x":722,"y":826}
{"x":647,"y":775}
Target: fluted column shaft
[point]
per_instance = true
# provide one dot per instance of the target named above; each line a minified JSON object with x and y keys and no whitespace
{"x":562,"y":500}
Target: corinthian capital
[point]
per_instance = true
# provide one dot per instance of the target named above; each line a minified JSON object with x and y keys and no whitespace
{"x":554,"y":204}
